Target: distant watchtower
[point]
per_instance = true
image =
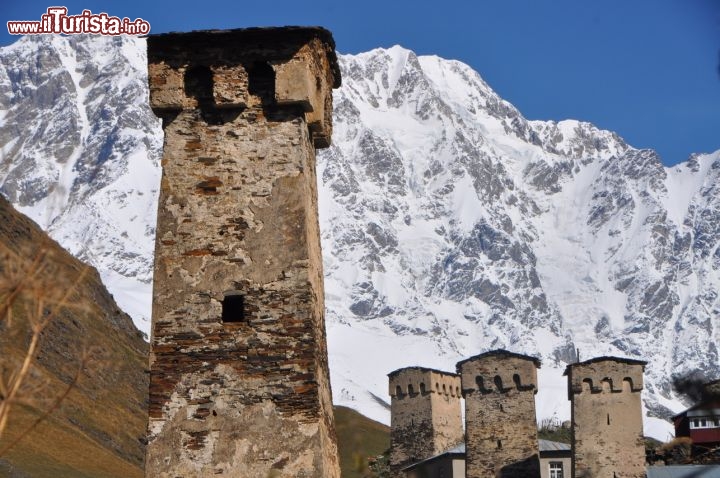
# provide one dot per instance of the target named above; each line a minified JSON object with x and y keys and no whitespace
{"x":607,"y":426}
{"x":425,"y":415}
{"x":499,"y":388}
{"x":239,"y":382}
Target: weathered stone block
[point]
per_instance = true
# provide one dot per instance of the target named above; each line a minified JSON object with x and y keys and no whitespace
{"x":295,"y":84}
{"x":230,"y":86}
{"x":166,"y":87}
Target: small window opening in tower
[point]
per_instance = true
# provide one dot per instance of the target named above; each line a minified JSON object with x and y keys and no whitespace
{"x":261,"y":80}
{"x":233,"y":307}
{"x":199,"y":84}
{"x":499,"y":444}
{"x":608,"y":419}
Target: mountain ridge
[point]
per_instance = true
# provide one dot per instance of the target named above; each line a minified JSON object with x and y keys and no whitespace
{"x":451,"y":224}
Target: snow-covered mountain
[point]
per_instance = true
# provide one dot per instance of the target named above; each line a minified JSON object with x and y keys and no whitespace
{"x":451,"y":224}
{"x":80,"y":153}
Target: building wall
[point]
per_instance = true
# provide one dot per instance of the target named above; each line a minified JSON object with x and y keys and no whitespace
{"x":240,"y":387}
{"x":705,"y":435}
{"x":501,"y":429}
{"x":425,"y":415}
{"x":545,"y":466}
{"x":607,"y":418}
{"x":448,"y":466}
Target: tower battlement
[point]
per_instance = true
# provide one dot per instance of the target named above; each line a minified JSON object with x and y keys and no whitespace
{"x":414,"y":382}
{"x":611,"y":374}
{"x":498,"y":371}
{"x":237,"y":69}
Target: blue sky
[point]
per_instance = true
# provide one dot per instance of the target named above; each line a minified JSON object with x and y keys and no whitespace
{"x":647,"y":69}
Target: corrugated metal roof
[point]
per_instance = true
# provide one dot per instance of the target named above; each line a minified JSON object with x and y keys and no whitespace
{"x":457,"y":449}
{"x":704,"y":412}
{"x":684,"y":471}
{"x":547,"y":445}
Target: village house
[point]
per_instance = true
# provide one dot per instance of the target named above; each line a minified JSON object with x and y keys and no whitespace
{"x":701,"y":422}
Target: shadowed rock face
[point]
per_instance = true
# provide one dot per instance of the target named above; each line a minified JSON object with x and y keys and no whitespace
{"x":239,"y":382}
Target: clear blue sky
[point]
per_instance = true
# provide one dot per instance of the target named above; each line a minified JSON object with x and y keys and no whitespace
{"x":647,"y":69}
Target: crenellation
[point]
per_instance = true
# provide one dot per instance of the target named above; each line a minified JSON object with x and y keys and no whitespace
{"x":440,"y":383}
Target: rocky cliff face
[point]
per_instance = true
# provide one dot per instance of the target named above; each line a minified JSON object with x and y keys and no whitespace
{"x":451,"y":224}
{"x":80,"y":153}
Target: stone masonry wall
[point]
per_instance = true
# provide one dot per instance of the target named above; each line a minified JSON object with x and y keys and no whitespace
{"x":607,"y":418}
{"x":239,"y":382}
{"x":425,"y":415}
{"x":501,"y":430}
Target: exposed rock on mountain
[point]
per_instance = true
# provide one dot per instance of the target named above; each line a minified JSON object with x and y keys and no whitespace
{"x":451,"y":224}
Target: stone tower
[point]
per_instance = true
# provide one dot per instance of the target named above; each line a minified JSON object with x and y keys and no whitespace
{"x":607,"y":426}
{"x":239,"y":381}
{"x":425,"y":415}
{"x":499,"y":388}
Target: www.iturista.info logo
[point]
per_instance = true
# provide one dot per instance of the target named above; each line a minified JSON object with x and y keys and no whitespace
{"x":56,"y":20}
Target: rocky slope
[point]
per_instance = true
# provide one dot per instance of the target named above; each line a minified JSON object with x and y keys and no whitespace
{"x":89,"y":350}
{"x":452,"y":224}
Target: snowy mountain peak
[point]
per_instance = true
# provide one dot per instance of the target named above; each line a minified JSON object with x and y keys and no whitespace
{"x":79,"y":152}
{"x":451,"y":224}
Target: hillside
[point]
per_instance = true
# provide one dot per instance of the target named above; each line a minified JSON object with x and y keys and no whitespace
{"x":98,"y":430}
{"x":359,"y":438}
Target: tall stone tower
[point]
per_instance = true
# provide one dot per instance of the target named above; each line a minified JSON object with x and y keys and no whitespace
{"x":239,"y":381}
{"x":607,"y":426}
{"x":425,"y":415}
{"x":499,"y":388}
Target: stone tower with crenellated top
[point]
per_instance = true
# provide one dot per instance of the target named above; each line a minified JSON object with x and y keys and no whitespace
{"x":501,"y":439}
{"x":425,"y":415}
{"x":239,"y":382}
{"x":607,"y":426}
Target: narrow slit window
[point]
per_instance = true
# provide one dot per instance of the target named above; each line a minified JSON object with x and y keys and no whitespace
{"x":233,"y":308}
